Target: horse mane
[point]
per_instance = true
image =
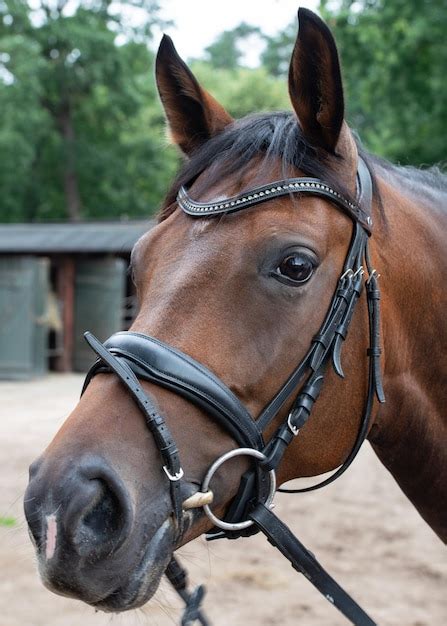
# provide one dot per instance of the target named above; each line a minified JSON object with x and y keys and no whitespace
{"x":428,"y":182}
{"x":278,"y":135}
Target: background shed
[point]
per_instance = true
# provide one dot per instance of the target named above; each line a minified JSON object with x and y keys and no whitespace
{"x":57,"y":280}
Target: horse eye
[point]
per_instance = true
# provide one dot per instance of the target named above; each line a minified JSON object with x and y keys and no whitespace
{"x":296,"y":268}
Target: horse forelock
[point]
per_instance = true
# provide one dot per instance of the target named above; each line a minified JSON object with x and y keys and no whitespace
{"x":264,"y":138}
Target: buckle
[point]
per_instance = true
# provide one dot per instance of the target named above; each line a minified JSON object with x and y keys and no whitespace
{"x":373,"y":273}
{"x":293,"y":429}
{"x":348,"y":274}
{"x":176,"y":476}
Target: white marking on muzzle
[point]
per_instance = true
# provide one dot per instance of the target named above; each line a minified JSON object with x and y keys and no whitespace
{"x":51,"y":535}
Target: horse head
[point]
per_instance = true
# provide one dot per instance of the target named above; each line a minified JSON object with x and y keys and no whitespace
{"x":239,"y":296}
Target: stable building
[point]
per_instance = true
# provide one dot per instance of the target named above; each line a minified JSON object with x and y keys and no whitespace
{"x":56,"y":281}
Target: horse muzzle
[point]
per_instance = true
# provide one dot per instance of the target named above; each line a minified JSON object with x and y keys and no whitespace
{"x":81,"y":520}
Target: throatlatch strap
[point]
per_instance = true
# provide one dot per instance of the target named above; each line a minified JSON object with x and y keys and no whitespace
{"x":303,"y":561}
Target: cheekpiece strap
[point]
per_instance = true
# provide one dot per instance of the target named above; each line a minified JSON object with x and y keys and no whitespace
{"x":276,"y":189}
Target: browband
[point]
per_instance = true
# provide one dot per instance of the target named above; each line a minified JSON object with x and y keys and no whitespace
{"x":276,"y":189}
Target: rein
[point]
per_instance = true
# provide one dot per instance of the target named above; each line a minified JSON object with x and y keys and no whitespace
{"x":133,"y":356}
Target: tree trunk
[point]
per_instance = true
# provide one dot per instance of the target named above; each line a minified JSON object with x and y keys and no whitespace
{"x":71,"y":187}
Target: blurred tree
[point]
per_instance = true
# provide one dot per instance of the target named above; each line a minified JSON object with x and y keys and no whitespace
{"x":24,"y":125}
{"x":82,"y":132}
{"x":226,"y":51}
{"x":276,"y":54}
{"x":394,"y":59}
{"x":75,"y":103}
{"x":242,"y":91}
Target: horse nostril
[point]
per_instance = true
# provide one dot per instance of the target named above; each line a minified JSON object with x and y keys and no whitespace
{"x":102,"y":522}
{"x":84,"y":509}
{"x":34,"y":467}
{"x":32,"y":505}
{"x":34,"y":520}
{"x":100,"y":514}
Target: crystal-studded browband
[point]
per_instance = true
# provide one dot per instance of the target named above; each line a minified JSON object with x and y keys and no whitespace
{"x":312,"y":186}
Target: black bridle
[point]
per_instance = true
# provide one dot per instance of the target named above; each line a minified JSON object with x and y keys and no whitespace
{"x":133,"y":356}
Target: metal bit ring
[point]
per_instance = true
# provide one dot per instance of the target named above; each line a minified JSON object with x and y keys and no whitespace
{"x":212,"y":470}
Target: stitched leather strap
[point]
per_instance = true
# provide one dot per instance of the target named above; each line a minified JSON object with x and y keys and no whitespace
{"x":275,"y":189}
{"x":364,"y":422}
{"x":339,"y":313}
{"x":303,"y":561}
{"x":154,"y":420}
{"x":374,"y":350}
{"x":155,"y":361}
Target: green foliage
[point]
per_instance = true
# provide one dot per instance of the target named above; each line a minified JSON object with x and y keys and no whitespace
{"x":75,"y":103}
{"x":242,"y":90}
{"x":394,"y":57}
{"x":82,"y":132}
{"x":24,"y":127}
{"x":225,"y":52}
{"x":276,"y":55}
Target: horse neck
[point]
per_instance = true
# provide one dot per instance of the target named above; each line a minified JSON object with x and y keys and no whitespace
{"x":409,"y":431}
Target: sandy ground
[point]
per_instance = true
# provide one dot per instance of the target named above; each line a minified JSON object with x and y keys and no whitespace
{"x":362,"y":529}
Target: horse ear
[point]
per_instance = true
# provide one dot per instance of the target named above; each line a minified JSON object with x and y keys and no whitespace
{"x":315,"y":84}
{"x":194,"y":116}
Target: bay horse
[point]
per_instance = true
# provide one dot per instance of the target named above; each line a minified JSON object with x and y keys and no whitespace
{"x":274,"y":228}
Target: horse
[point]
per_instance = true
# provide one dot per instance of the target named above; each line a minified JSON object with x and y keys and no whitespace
{"x":251,"y":330}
